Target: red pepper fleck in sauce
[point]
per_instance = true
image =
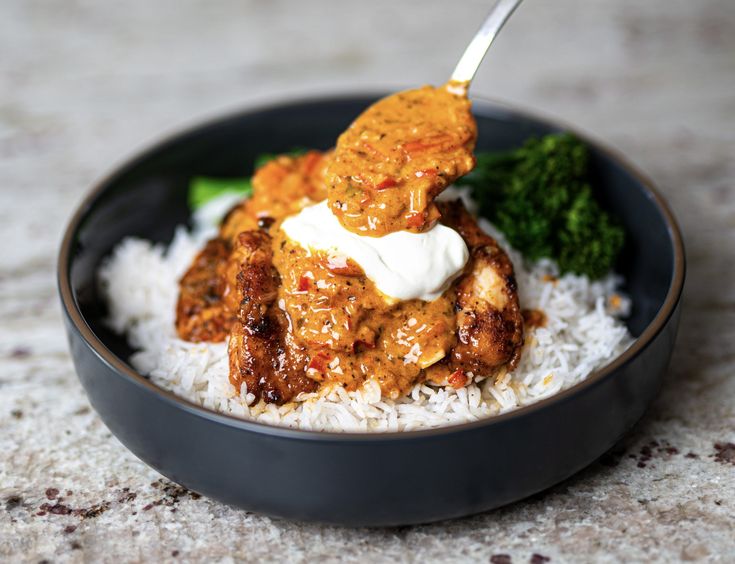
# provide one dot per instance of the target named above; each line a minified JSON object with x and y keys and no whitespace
{"x":387,"y":183}
{"x":457,"y":379}
{"x":320,"y":361}
{"x":343,"y":266}
{"x":426,"y":172}
{"x":415,"y":219}
{"x":304,"y":283}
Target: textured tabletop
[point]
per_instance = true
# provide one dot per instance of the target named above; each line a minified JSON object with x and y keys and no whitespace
{"x":85,"y":84}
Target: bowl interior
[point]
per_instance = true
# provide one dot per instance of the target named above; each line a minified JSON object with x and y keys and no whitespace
{"x":147,"y":197}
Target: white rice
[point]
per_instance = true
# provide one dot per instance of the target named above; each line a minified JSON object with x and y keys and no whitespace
{"x":583,"y":332}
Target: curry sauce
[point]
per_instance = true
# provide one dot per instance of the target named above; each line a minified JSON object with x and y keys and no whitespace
{"x":351,"y":330}
{"x":397,"y":157}
{"x":299,"y":319}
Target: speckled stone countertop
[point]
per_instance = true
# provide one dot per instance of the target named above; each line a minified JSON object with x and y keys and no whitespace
{"x":84,"y":84}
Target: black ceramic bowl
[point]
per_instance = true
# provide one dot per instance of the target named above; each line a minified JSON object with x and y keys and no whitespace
{"x":358,"y":479}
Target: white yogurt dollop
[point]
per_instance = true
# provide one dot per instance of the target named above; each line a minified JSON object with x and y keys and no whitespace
{"x":402,"y":265}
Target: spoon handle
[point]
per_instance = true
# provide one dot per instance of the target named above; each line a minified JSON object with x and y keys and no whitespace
{"x":465,"y":70}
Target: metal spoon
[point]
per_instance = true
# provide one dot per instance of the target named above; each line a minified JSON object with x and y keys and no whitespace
{"x":467,"y":66}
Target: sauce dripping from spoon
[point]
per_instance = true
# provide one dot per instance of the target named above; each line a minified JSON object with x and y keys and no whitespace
{"x":400,"y":153}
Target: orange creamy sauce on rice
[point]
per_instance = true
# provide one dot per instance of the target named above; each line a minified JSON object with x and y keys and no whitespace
{"x":300,"y":318}
{"x":353,"y":332}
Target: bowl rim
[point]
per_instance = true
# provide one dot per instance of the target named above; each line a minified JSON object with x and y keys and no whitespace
{"x":486,"y":107}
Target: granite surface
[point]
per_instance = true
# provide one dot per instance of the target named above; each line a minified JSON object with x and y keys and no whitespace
{"x":84,"y":84}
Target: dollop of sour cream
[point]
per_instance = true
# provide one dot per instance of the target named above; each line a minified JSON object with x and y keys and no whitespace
{"x":402,"y":265}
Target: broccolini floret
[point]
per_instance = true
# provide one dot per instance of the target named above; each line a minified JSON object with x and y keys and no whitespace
{"x":540,"y":198}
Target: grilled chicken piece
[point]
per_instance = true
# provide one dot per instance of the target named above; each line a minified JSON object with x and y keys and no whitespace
{"x":281,"y":187}
{"x":489,"y":319}
{"x":208,"y":298}
{"x":200,"y":312}
{"x":263,"y":355}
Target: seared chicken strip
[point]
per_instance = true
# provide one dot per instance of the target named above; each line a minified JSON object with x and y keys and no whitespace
{"x":489,"y":319}
{"x":200,"y":311}
{"x":262,"y":353}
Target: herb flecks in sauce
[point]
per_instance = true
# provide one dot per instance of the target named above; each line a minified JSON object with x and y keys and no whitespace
{"x":350,"y":330}
{"x":397,"y":157}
